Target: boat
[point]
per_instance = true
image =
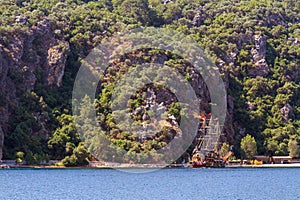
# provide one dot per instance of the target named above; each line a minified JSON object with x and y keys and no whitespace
{"x":205,"y":154}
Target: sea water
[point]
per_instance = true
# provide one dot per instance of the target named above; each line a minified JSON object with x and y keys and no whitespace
{"x":169,"y":184}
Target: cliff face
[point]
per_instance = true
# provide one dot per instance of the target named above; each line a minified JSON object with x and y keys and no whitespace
{"x":260,"y":67}
{"x":255,"y":44}
{"x":23,"y":55}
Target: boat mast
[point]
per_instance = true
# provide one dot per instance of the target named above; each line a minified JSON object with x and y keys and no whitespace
{"x":209,"y":142}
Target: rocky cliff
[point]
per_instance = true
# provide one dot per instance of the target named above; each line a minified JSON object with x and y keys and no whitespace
{"x":23,"y":56}
{"x":255,"y":44}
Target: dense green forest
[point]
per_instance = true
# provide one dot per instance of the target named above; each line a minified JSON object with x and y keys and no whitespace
{"x":255,"y":44}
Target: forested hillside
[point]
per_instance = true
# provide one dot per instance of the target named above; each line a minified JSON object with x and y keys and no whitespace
{"x":255,"y":45}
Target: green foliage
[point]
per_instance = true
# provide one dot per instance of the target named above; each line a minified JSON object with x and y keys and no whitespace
{"x":225,"y":148}
{"x":224,"y":28}
{"x":294,"y":149}
{"x":137,"y":10}
{"x":19,"y":157}
{"x":64,"y":138}
{"x":35,"y":159}
{"x":248,"y":147}
{"x":175,"y":110}
{"x":78,"y":158}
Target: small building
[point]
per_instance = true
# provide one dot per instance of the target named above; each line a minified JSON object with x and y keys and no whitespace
{"x":274,"y":159}
{"x":263,"y":159}
{"x":282,"y":159}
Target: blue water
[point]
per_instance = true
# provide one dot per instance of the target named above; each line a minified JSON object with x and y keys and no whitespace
{"x":167,"y":184}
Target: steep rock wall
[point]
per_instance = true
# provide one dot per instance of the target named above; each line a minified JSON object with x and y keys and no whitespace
{"x":23,"y":54}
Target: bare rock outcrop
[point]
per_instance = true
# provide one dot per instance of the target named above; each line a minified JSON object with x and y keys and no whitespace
{"x":56,"y":61}
{"x":199,"y":17}
{"x":286,"y":110}
{"x":261,"y":67}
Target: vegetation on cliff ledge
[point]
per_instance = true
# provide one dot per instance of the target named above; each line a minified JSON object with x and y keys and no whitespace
{"x":255,"y":44}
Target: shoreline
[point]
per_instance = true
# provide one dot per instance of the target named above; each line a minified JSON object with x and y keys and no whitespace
{"x":143,"y":166}
{"x":291,"y":165}
{"x":93,"y":166}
